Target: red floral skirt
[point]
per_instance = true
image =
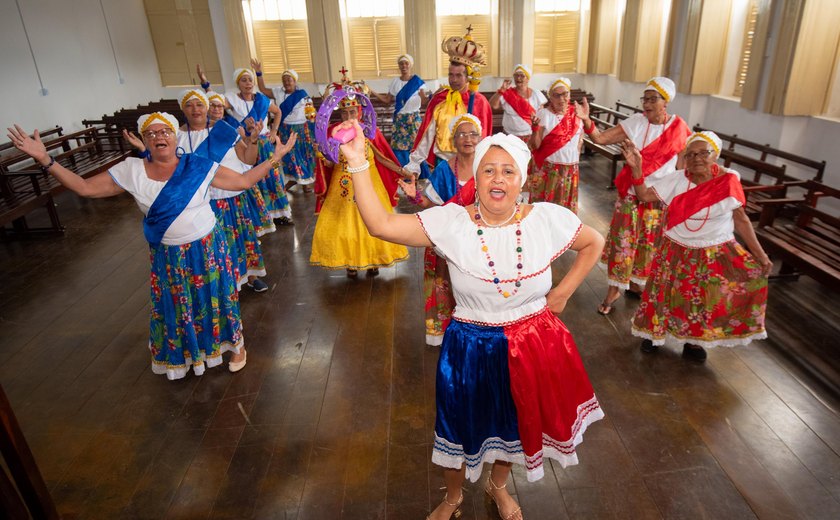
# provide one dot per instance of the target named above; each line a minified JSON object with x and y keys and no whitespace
{"x":632,"y":241}
{"x":557,"y":183}
{"x":437,"y":290}
{"x":710,"y":296}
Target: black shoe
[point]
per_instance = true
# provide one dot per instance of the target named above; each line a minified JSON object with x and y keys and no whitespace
{"x":257,"y":285}
{"x":285,"y":221}
{"x":648,"y":347}
{"x":694,"y":353}
{"x":373,"y":272}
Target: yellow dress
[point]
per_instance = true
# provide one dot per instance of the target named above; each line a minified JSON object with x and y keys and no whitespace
{"x":341,"y":240}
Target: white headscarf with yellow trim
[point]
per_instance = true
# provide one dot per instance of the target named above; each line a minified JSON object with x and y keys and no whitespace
{"x":566,"y":82}
{"x":238,"y":73}
{"x":291,"y":72}
{"x":513,"y":145}
{"x":664,"y":86}
{"x":707,"y":136}
{"x":464,"y":118}
{"x":211,"y":95}
{"x":406,"y":57}
{"x":524,"y":69}
{"x":147,"y":120}
{"x":192,"y":93}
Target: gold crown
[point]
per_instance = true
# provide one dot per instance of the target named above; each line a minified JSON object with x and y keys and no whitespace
{"x":463,"y":49}
{"x":346,"y":83}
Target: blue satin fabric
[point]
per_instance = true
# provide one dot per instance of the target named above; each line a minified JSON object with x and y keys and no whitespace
{"x":175,"y":196}
{"x":443,"y":180}
{"x":258,"y":111}
{"x":405,"y":93}
{"x":290,"y":102}
{"x":474,"y":402}
{"x":220,"y":139}
{"x":403,"y":156}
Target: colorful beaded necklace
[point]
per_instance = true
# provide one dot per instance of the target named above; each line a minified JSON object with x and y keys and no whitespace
{"x":517,"y":215}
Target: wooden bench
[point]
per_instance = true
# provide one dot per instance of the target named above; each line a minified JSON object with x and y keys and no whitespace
{"x":7,"y":149}
{"x":814,"y":170}
{"x":811,"y":244}
{"x":761,"y":180}
{"x":629,"y":109}
{"x":25,"y":188}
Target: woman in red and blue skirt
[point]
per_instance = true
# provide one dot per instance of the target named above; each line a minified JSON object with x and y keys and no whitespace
{"x":705,"y":289}
{"x":511,"y":386}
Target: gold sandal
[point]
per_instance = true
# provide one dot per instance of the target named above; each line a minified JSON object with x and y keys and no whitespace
{"x":456,"y":505}
{"x":489,"y":488}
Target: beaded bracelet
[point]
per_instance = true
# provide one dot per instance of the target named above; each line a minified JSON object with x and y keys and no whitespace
{"x":417,"y":199}
{"x":145,"y":153}
{"x":205,"y":85}
{"x":358,"y":169}
{"x":638,"y":182}
{"x":259,"y":74}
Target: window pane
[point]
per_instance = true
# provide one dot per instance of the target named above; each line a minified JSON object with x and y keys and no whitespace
{"x":550,"y":6}
{"x":448,"y":7}
{"x":370,"y":9}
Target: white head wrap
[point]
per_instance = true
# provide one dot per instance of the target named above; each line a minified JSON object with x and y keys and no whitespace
{"x":147,"y":120}
{"x":192,"y":93}
{"x":238,"y":73}
{"x":211,"y":95}
{"x":524,"y":68}
{"x":707,"y":136}
{"x":664,"y":86}
{"x":512,"y":145}
{"x":291,"y":72}
{"x":566,"y":82}
{"x":406,"y":57}
{"x":464,"y":118}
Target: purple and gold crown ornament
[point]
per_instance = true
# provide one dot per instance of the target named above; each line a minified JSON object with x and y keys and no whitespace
{"x":342,"y":96}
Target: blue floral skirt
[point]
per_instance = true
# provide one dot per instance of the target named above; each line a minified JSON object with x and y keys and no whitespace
{"x":195,"y":306}
{"x":405,"y":132}
{"x":257,"y":212}
{"x":272,"y":186}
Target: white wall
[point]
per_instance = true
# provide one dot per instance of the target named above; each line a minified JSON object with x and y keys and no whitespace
{"x":71,"y":47}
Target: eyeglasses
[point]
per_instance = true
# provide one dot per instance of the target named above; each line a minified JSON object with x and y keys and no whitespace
{"x":164,"y":132}
{"x":217,"y":105}
{"x":563,"y":94}
{"x":650,"y":99}
{"x":463,"y":135}
{"x":703,"y":154}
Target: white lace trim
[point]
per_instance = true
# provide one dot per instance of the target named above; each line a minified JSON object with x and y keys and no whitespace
{"x":434,"y":340}
{"x":174,"y":372}
{"x":676,"y":340}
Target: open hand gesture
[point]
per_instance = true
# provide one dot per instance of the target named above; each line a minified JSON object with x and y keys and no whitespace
{"x":631,"y":154}
{"x":408,"y":186}
{"x":535,"y":121}
{"x":201,"y":76}
{"x":281,"y":148}
{"x":582,"y":108}
{"x":31,"y":146}
{"x":256,"y":65}
{"x":134,"y":140}
{"x":505,"y":85}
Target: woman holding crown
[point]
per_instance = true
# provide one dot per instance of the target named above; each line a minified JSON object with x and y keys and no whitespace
{"x":341,"y":240}
{"x":194,"y":304}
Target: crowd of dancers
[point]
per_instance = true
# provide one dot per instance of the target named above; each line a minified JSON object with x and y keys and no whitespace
{"x":495,"y":212}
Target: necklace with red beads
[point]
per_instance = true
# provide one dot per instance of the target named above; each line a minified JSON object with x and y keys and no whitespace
{"x":714,"y":170}
{"x":517,"y":282}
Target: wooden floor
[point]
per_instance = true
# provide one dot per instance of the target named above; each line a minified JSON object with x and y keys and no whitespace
{"x":333,"y":416}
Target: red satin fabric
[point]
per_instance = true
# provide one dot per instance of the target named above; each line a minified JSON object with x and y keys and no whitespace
{"x":656,"y":154}
{"x":558,"y":137}
{"x":520,"y":105}
{"x":481,"y":110}
{"x":703,"y":196}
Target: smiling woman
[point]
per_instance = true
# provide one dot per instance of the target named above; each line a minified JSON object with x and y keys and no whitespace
{"x":506,"y":359}
{"x":195,"y":306}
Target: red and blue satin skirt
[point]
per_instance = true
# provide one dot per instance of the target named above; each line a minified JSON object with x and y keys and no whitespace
{"x":517,"y":393}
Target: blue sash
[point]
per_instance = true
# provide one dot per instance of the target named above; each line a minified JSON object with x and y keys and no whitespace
{"x":471,"y":103}
{"x":175,"y":196}
{"x":405,"y":93}
{"x":258,"y":111}
{"x":443,"y":181}
{"x":290,"y":102}
{"x":219,"y":140}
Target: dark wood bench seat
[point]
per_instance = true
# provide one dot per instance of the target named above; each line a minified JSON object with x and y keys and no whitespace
{"x":610,"y":151}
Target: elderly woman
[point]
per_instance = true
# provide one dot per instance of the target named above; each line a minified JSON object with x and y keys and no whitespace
{"x":299,"y":165}
{"x":635,"y":228}
{"x":195,"y":306}
{"x":255,"y":209}
{"x":519,"y":103}
{"x":556,"y":142}
{"x":704,"y":289}
{"x":451,"y":181}
{"x":341,"y":240}
{"x":407,"y":94}
{"x":511,"y":386}
{"x":247,"y":103}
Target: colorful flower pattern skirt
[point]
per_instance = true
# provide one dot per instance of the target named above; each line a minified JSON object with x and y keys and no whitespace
{"x":711,"y":296}
{"x":406,"y":126}
{"x":516,"y":393}
{"x":632,"y":241}
{"x":557,"y":183}
{"x":195,"y":306}
{"x":272,"y":186}
{"x":229,"y":221}
{"x":299,"y":163}
{"x":437,"y":290}
{"x":257,"y":212}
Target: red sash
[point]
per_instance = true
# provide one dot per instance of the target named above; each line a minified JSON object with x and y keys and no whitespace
{"x":656,"y":154}
{"x":703,"y":196}
{"x":520,"y":105}
{"x":559,"y":136}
